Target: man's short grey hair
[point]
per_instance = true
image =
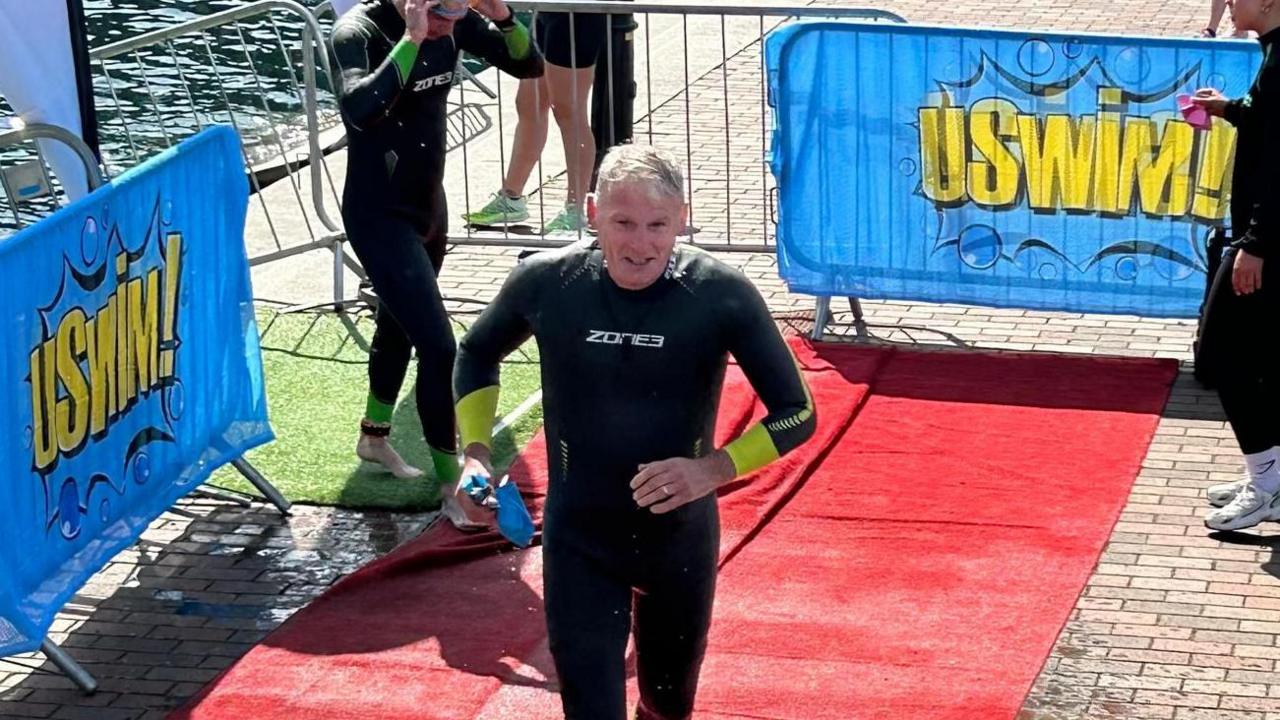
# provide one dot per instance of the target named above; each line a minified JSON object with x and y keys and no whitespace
{"x":656,"y":169}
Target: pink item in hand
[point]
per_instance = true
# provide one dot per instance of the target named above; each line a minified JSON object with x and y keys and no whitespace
{"x":1195,"y":115}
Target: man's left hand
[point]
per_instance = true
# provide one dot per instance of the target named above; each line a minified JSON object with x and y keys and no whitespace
{"x":1246,"y":274}
{"x":665,"y":485}
{"x":495,"y":10}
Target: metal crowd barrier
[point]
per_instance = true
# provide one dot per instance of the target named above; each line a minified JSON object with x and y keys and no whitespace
{"x":159,"y":87}
{"x":28,"y":188}
{"x":698,"y":90}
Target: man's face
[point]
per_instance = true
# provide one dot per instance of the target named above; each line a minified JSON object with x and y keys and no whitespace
{"x":1250,"y":14}
{"x":637,"y":232}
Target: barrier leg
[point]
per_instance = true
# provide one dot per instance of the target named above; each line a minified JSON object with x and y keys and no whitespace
{"x":268,"y":490}
{"x":821,"y":313}
{"x":859,"y":320}
{"x":69,"y":667}
{"x":214,"y":494}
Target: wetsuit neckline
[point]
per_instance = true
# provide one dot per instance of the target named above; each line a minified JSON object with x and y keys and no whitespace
{"x":644,"y":293}
{"x":1270,"y":38}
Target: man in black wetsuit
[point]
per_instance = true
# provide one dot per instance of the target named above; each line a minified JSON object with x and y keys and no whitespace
{"x":634,"y":335}
{"x":396,"y":60}
{"x":1240,"y":330}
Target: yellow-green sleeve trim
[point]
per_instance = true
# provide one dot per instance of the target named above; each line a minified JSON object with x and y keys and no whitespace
{"x":752,"y":450}
{"x":404,"y":53}
{"x":475,"y":416}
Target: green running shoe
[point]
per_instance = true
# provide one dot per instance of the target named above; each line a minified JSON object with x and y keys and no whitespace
{"x":501,"y":210}
{"x":570,"y":221}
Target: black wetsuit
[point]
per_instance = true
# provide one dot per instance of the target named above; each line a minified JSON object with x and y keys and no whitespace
{"x":630,"y":377}
{"x":393,"y":103}
{"x":1240,"y":334}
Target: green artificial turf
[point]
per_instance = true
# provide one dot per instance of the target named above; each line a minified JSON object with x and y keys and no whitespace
{"x":317,"y":384}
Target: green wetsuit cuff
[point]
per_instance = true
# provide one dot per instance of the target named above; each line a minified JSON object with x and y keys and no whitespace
{"x":516,"y":36}
{"x":752,"y":450}
{"x":475,"y":416}
{"x":404,"y":54}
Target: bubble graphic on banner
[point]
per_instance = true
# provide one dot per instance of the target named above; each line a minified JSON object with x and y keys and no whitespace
{"x":1048,"y":271}
{"x":980,"y":246}
{"x":1131,"y":65}
{"x":1072,"y":48}
{"x":89,"y":241}
{"x":166,"y":213}
{"x":27,"y":437}
{"x":907,"y":167}
{"x":1216,"y":80}
{"x":1035,"y":57}
{"x":69,"y":509}
{"x":175,"y":400}
{"x":1169,"y":268}
{"x":104,"y":510}
{"x":1126,"y":268}
{"x":141,"y":468}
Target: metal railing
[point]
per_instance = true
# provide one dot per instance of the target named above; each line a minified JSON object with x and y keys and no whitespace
{"x":257,"y":68}
{"x":29,"y":188}
{"x":699,"y":90}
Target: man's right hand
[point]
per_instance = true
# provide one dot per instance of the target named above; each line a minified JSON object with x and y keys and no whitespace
{"x":417,"y":21}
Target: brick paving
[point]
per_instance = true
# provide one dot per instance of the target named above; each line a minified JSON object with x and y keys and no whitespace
{"x":1175,"y":623}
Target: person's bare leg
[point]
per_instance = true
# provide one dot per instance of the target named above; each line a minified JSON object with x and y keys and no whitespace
{"x":532,"y":105}
{"x":570,"y":91}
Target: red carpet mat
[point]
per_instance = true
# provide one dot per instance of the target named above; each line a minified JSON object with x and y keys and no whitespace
{"x":450,"y":625}
{"x":929,"y":563}
{"x":942,"y":529}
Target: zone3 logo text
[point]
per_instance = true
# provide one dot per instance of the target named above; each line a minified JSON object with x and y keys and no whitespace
{"x":434,"y":80}
{"x":608,"y":337}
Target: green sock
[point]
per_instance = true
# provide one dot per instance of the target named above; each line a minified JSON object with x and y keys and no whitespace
{"x":377,"y":411}
{"x":446,"y":465}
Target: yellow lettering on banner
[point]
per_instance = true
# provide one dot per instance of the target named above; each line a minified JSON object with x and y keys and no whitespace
{"x":994,"y":173}
{"x":1058,"y":155}
{"x":126,"y":374}
{"x":144,"y":323}
{"x":102,"y":367}
{"x":1162,"y":173}
{"x":72,"y":411}
{"x":1106,"y":150}
{"x":172,"y":273}
{"x":44,"y":439}
{"x":1213,"y":183}
{"x":942,"y":148}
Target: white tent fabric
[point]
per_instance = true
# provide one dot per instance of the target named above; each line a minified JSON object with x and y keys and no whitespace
{"x":38,"y":78}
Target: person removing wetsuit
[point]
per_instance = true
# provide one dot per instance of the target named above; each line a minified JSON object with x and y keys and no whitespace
{"x":396,"y":60}
{"x":634,"y":334}
{"x":1240,"y":330}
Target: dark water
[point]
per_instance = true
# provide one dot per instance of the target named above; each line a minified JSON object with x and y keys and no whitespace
{"x":246,"y":74}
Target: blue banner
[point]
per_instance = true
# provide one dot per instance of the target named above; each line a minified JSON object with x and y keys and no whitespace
{"x":133,"y":366}
{"x":1041,"y":171}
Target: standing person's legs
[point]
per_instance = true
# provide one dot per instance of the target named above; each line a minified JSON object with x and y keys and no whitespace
{"x":571,"y":44}
{"x":402,"y":271}
{"x":389,"y":353}
{"x":532,"y":107}
{"x":508,"y":205}
{"x":1239,"y":345}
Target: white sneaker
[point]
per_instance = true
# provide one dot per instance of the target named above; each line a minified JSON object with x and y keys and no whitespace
{"x":1223,"y":493}
{"x":378,"y":451}
{"x":1248,"y":508}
